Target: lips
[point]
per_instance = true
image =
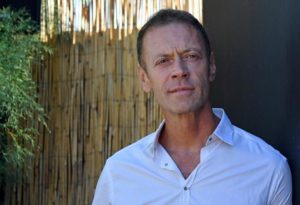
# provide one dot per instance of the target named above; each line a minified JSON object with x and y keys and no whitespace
{"x":181,"y":89}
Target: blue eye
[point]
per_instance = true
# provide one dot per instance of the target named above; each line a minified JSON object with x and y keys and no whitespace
{"x":162,"y":61}
{"x":190,"y":56}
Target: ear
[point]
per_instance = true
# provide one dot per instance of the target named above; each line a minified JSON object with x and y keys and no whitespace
{"x":212,"y":67}
{"x":144,"y":80}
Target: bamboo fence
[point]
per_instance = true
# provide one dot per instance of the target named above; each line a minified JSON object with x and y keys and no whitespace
{"x":91,"y":94}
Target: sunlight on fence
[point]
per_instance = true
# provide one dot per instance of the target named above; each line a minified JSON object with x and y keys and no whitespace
{"x":93,"y":16}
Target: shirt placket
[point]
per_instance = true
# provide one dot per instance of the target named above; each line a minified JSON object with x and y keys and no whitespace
{"x":188,"y":183}
{"x":186,"y":195}
{"x":187,"y":186}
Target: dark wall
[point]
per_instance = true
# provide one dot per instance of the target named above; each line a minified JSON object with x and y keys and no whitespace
{"x":257,"y":48}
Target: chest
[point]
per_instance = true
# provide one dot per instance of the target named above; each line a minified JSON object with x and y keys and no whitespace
{"x":217,"y":179}
{"x":186,"y":162}
{"x":159,"y":191}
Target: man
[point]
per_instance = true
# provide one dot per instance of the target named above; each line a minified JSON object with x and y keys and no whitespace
{"x":196,"y":156}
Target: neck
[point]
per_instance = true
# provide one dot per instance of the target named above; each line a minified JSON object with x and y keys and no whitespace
{"x":188,"y":131}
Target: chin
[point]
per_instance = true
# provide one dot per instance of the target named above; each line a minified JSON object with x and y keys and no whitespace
{"x":185,"y":106}
{"x":184,"y":110}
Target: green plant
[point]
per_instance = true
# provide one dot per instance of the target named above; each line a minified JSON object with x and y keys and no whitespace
{"x":20,"y":112}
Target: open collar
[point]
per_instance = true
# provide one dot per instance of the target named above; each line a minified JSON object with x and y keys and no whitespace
{"x":224,"y":132}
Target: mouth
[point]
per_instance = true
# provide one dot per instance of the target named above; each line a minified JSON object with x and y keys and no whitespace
{"x":181,"y":89}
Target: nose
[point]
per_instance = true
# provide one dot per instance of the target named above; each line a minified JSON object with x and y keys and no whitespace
{"x":180,"y":69}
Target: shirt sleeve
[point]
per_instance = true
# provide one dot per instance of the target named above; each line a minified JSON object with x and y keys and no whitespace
{"x":103,"y":193}
{"x":282,"y":191}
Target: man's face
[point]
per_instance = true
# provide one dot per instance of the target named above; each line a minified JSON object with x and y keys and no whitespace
{"x":177,"y":68}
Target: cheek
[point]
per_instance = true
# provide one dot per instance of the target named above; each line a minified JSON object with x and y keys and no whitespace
{"x":159,"y":80}
{"x":202,"y":83}
{"x":200,"y":75}
{"x":158,"y":87}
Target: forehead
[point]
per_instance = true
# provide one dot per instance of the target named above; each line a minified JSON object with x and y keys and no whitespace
{"x":172,"y":36}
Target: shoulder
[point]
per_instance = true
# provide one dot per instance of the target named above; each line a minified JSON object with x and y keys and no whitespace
{"x":256,"y":147}
{"x":135,"y":151}
{"x":268,"y":164}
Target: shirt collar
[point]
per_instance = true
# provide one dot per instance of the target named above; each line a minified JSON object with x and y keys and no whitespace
{"x":224,"y":132}
{"x":152,"y":141}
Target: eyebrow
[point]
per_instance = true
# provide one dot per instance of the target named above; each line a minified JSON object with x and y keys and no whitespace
{"x":180,"y":52}
{"x":192,"y":49}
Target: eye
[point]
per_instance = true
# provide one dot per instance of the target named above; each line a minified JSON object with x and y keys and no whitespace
{"x":190,"y":56}
{"x":162,"y":61}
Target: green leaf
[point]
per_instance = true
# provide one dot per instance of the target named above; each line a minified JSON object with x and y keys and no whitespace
{"x":20,"y":47}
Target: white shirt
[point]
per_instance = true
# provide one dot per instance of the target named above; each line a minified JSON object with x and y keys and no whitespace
{"x":236,"y":168}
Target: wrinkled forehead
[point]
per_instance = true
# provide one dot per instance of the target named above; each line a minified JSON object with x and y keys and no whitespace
{"x":173,"y":27}
{"x":172,"y":36}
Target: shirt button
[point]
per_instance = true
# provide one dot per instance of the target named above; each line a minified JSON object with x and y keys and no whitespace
{"x":166,"y":164}
{"x":185,"y":188}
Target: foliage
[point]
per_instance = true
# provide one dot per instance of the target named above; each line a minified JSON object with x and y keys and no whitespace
{"x":20,"y":113}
